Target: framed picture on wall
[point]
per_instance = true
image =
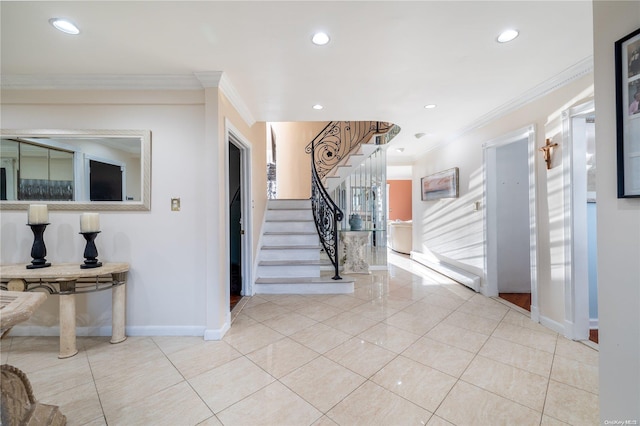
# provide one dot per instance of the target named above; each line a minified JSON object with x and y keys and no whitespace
{"x":443,"y":184}
{"x":627,"y":57}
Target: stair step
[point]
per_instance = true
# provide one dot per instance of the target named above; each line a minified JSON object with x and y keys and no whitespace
{"x":293,"y":262}
{"x":289,"y":220}
{"x":287,"y":252}
{"x":289,"y":233}
{"x":308,"y":247}
{"x":300,"y":204}
{"x":284,"y":239}
{"x":304,"y":285}
{"x":290,"y":226}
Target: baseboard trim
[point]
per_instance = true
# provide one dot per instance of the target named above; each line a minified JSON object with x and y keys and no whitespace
{"x":551,"y":324}
{"x":217,"y":333}
{"x":593,"y":323}
{"x":36,"y":330}
{"x":535,"y":314}
{"x":457,"y":274}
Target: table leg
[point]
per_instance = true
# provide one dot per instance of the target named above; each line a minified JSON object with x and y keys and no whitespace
{"x":118,"y":304}
{"x":67,"y":326}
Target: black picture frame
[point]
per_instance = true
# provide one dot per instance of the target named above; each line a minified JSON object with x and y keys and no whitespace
{"x":627,"y":69}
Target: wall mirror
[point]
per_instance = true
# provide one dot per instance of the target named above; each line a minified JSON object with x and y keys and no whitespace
{"x":75,"y":169}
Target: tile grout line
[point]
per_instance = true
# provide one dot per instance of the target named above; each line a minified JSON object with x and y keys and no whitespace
{"x":213,"y":414}
{"x":459,"y":378}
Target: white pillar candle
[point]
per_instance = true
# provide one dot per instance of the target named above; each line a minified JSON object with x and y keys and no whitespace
{"x":38,"y":214}
{"x":89,"y":222}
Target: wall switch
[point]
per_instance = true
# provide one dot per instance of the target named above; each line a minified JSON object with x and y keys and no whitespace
{"x":175,"y":204}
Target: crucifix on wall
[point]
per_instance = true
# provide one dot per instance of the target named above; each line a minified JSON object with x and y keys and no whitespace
{"x":546,"y":152}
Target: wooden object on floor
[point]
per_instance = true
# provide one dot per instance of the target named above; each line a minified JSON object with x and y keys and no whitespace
{"x":523,"y":300}
{"x":593,"y":335}
{"x":19,"y":405}
{"x":16,"y":306}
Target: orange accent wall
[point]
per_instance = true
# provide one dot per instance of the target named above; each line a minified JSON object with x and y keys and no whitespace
{"x":399,"y":199}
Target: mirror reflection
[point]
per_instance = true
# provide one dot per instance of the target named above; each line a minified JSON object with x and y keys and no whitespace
{"x":75,"y":167}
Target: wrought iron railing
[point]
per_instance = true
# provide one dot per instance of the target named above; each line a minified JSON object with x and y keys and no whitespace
{"x":326,"y":215}
{"x":339,"y":138}
{"x":327,"y":149}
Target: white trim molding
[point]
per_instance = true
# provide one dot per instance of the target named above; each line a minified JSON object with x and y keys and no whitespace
{"x":527,"y":133}
{"x":130,"y":331}
{"x":218,"y":333}
{"x":195,"y":81}
{"x":568,"y":76}
{"x":101,"y":82}
{"x":236,"y":100}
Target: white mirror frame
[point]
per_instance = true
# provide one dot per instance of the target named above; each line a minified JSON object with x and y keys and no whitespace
{"x":145,"y":157}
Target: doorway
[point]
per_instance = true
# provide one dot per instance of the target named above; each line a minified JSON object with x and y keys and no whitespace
{"x":105,"y":181}
{"x":581,"y":302}
{"x":235,"y":225}
{"x":238,"y":216}
{"x":509,"y":217}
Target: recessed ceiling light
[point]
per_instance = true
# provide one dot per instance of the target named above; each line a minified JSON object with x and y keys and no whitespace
{"x":64,"y":25}
{"x":430,"y":106}
{"x":320,"y":38}
{"x":507,"y":35}
{"x":317,"y":106}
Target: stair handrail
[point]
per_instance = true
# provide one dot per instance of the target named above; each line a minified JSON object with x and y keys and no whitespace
{"x":339,"y":138}
{"x":335,"y":142}
{"x":326,"y":214}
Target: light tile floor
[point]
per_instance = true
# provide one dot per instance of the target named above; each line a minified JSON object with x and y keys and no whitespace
{"x":408,"y":347}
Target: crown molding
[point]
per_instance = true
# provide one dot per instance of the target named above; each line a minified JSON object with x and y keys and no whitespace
{"x":221,"y":81}
{"x":209,"y":78}
{"x":236,"y":100}
{"x":195,"y":81}
{"x":569,"y":75}
{"x":101,"y":82}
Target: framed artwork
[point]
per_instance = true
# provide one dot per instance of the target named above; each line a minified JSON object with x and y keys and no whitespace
{"x":627,"y":57}
{"x":443,"y":184}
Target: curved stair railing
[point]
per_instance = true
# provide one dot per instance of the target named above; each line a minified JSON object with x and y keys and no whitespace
{"x":327,"y":149}
{"x":339,"y":138}
{"x":326,"y":215}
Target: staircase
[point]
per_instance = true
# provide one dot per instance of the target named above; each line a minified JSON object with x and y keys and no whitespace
{"x":289,"y":259}
{"x":338,"y":174}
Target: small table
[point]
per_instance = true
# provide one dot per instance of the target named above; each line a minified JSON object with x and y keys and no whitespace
{"x":354,"y":244}
{"x":67,"y":280}
{"x":17,"y":306}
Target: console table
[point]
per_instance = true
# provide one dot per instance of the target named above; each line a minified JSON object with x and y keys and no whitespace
{"x":67,"y":280}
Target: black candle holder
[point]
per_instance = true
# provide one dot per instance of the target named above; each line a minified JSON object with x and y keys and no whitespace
{"x":38,"y":249}
{"x":90,"y":251}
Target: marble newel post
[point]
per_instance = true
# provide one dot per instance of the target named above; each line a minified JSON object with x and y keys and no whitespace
{"x":354,"y":244}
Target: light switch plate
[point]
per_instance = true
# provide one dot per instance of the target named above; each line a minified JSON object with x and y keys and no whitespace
{"x":175,"y":204}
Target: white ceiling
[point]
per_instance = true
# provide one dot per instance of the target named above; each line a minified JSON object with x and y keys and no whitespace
{"x":385,"y":61}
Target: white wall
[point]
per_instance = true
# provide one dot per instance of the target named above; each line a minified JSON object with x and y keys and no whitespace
{"x":452,"y":231}
{"x":166,"y":250}
{"x":618,"y":231}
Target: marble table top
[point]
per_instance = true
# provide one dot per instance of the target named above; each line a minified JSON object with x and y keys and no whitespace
{"x":61,"y":270}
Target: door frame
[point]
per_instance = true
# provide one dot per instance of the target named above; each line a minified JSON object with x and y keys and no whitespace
{"x":490,"y":284}
{"x":576,"y":287}
{"x":233,"y":135}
